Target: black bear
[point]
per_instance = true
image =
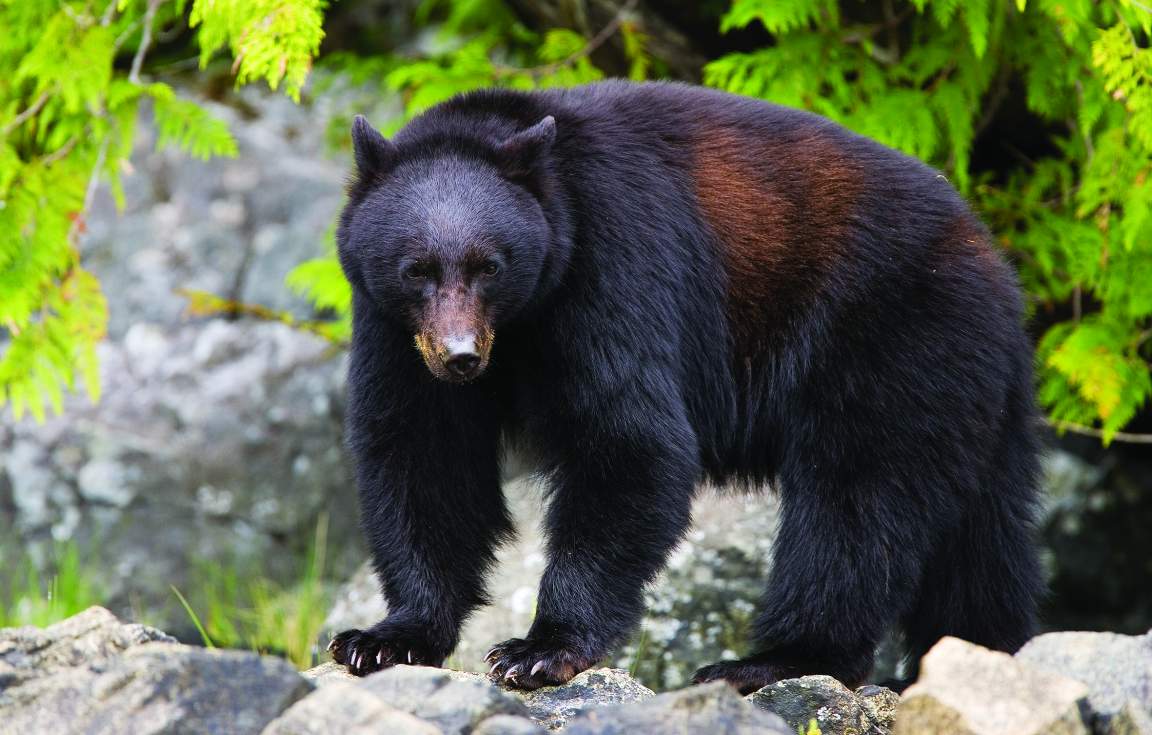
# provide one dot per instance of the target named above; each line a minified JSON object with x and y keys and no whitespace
{"x":650,"y":285}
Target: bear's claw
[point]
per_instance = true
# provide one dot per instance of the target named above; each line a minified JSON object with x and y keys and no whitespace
{"x":531,"y":663}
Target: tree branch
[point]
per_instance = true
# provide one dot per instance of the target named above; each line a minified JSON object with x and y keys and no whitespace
{"x":1119,"y":436}
{"x":33,"y":108}
{"x":62,"y":151}
{"x":109,"y":13}
{"x":90,"y":191}
{"x":594,"y":43}
{"x":145,"y":40}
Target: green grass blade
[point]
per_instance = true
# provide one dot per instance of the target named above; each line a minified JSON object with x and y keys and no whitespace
{"x":195,"y":618}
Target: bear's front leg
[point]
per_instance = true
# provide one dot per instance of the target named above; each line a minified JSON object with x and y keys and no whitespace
{"x":432,"y":526}
{"x":621,"y":500}
{"x":427,"y":470}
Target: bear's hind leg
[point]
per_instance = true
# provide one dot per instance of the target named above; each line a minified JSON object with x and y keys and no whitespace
{"x":983,"y":581}
{"x":846,"y":564}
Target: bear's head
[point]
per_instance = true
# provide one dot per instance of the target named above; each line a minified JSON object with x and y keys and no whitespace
{"x":448,"y":237}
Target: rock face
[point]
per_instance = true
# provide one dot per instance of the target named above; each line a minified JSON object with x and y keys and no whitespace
{"x":92,"y":675}
{"x":969,"y":690}
{"x":1117,"y":670}
{"x":836,"y":710}
{"x":233,"y":227}
{"x":225,"y":434}
{"x":708,"y":708}
{"x":508,"y":725}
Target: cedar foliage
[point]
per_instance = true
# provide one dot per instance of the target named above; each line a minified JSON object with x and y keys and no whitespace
{"x":926,"y":76}
{"x":69,"y":98}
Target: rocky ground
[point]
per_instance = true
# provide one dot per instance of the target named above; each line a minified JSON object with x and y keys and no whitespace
{"x":94,"y":674}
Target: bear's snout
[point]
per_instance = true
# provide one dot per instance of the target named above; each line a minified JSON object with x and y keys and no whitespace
{"x":455,"y":343}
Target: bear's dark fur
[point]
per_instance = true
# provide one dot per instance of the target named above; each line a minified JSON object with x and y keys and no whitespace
{"x":652,"y":285}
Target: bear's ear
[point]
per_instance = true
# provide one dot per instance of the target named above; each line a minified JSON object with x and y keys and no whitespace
{"x":522,"y":153}
{"x":373,"y":151}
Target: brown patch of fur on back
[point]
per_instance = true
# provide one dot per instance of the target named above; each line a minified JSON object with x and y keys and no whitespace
{"x":780,"y":212}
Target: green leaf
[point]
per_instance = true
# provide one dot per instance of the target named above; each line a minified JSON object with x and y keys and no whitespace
{"x":188,"y":126}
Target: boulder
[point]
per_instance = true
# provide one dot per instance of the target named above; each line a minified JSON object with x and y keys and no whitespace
{"x":1130,"y":720}
{"x":328,"y":673}
{"x":344,"y":708}
{"x":836,"y":710}
{"x":156,"y":688}
{"x":455,"y":705}
{"x":1117,"y":670}
{"x":708,"y":708}
{"x":94,"y":635}
{"x":553,"y":707}
{"x":93,"y":674}
{"x":968,"y":690}
{"x":508,"y":725}
{"x":879,"y":705}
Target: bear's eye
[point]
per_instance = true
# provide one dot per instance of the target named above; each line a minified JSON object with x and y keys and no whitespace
{"x":418,"y":272}
{"x":490,"y":268}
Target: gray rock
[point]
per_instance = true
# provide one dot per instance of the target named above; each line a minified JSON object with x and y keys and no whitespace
{"x":454,"y":704}
{"x":553,"y":707}
{"x":156,"y":688}
{"x":328,"y":673}
{"x":344,"y":708}
{"x":969,"y":690}
{"x":879,"y":705}
{"x":508,"y":725}
{"x":713,"y":708}
{"x":821,"y":698}
{"x":1117,"y":669}
{"x":1128,"y":721}
{"x":92,"y":636}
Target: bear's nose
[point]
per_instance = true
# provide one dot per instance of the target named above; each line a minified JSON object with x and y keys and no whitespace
{"x":462,"y":360}
{"x":463,"y":365}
